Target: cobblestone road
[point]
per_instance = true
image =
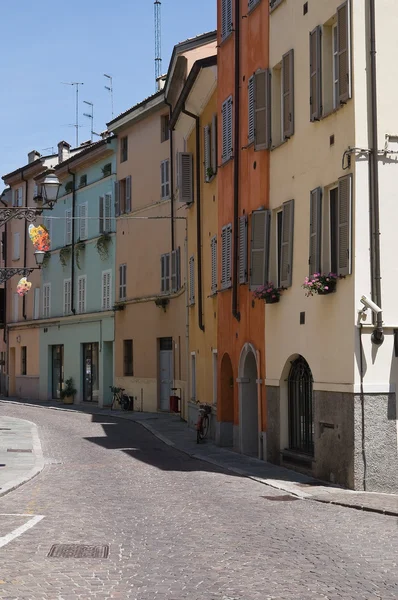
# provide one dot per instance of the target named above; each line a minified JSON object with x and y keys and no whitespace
{"x":177,"y":528}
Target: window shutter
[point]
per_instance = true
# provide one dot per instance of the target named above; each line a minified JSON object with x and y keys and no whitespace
{"x":174,"y":266}
{"x":68,"y":227}
{"x":207,"y":152}
{"x":214,"y":265}
{"x":287,"y":244}
{"x":227,"y":129}
{"x":226,"y":250}
{"x":108,"y":213}
{"x":288,"y":93}
{"x":36,"y":304}
{"x":259,"y":250}
{"x":122,"y":282}
{"x":191,"y":280}
{"x":82,"y":294}
{"x":250,"y":101}
{"x":67,"y":296}
{"x":316,"y":74}
{"x":15,"y":251}
{"x":344,"y":47}
{"x":315,"y":231}
{"x":83,"y":223}
{"x":229,"y":255}
{"x":163,"y":273}
{"x":226,"y":18}
{"x":262,"y":110}
{"x":101,"y":214}
{"x":117,"y":199}
{"x":214,"y":153}
{"x":344,"y":225}
{"x":106,"y":290}
{"x":185,"y":172}
{"x":243,"y":249}
{"x":46,"y":300}
{"x":128,"y":194}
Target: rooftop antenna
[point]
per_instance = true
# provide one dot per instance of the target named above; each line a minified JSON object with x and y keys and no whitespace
{"x":158,"y":41}
{"x":76,"y":83}
{"x":48,"y":149}
{"x":91,"y":117}
{"x":110,"y":88}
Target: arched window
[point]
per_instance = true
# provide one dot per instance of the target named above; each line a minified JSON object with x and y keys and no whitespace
{"x":301,"y":420}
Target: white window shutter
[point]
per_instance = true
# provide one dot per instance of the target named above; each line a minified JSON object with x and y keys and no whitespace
{"x":316,"y":73}
{"x":214,"y":151}
{"x":122,"y":282}
{"x":36,"y":304}
{"x":67,"y":296}
{"x":16,"y":249}
{"x":344,"y":234}
{"x":108,"y":213}
{"x":175,"y":267}
{"x":83,"y":221}
{"x":243,"y":249}
{"x":288,"y":94}
{"x":82,"y":294}
{"x":250,"y":99}
{"x":128,"y":195}
{"x":68,"y":227}
{"x":106,"y":290}
{"x":287,"y":244}
{"x":191,"y":280}
{"x":260,"y":228}
{"x":46,"y":300}
{"x":315,"y":231}
{"x":262,"y":110}
{"x":164,"y":179}
{"x":185,"y":171}
{"x":117,"y":199}
{"x":344,"y":50}
{"x":207,"y":152}
{"x":214,"y":265}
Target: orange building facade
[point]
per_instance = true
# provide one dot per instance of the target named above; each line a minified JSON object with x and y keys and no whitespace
{"x":243,"y":221}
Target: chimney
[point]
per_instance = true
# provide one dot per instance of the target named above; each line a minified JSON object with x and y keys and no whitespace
{"x":32,"y":156}
{"x":161,"y":81}
{"x":63,"y":151}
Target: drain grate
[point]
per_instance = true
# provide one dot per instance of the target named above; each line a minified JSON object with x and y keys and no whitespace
{"x":78,"y":551}
{"x":18,"y":450}
{"x":285,"y":498}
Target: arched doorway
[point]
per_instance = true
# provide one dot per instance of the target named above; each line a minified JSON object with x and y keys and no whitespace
{"x":248,"y":403}
{"x":300,"y":409}
{"x":225,"y":414}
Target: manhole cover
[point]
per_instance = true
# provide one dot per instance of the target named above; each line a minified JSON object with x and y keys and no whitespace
{"x":18,"y":450}
{"x":285,"y":498}
{"x":78,"y":551}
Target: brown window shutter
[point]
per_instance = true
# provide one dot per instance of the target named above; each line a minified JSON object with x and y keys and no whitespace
{"x":287,"y":243}
{"x":259,"y":248}
{"x":288,"y":94}
{"x":343,"y":41}
{"x":316,"y":74}
{"x":315,"y":231}
{"x":344,"y":232}
{"x":262,"y":110}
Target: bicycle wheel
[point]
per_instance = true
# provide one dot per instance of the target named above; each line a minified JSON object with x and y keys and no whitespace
{"x":205,"y":426}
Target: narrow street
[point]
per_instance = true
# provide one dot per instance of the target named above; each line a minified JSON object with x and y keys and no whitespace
{"x":177,"y":528}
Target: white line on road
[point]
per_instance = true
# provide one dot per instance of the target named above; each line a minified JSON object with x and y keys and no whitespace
{"x":6,"y":539}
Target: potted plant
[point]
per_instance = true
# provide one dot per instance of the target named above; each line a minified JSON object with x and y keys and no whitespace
{"x":68,"y":187}
{"x":268,"y":292}
{"x":320,"y":284}
{"x":79,"y":248}
{"x":102,"y":245}
{"x":68,"y":391}
{"x":209,"y":174}
{"x":46,"y":259}
{"x":64,"y":254}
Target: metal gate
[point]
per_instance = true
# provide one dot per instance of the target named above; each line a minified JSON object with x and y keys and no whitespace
{"x":301,"y":422}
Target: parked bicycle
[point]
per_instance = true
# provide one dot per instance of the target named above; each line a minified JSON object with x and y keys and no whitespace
{"x":118,"y":396}
{"x":203,"y":423}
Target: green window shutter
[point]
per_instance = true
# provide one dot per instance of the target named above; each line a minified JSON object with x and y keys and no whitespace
{"x":207,"y":152}
{"x":83,"y":222}
{"x":117,"y":199}
{"x":315,"y":231}
{"x":214,"y":152}
{"x":288,"y":94}
{"x":250,"y":110}
{"x":185,"y":177}
{"x":259,"y":248}
{"x":262,"y":110}
{"x":128,"y":194}
{"x":316,"y":74}
{"x":344,"y":219}
{"x":243,"y":249}
{"x":191,"y":280}
{"x":214,"y":265}
{"x":344,"y":50}
{"x":287,"y":243}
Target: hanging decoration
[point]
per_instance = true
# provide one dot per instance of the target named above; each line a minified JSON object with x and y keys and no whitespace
{"x":23,"y":286}
{"x":40,"y":237}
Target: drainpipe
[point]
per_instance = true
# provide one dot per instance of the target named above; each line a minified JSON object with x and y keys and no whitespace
{"x":198,"y":219}
{"x":378,"y":335}
{"x":171,"y":142}
{"x":24,"y":241}
{"x":5,"y":336}
{"x":235,"y":310}
{"x":73,"y":242}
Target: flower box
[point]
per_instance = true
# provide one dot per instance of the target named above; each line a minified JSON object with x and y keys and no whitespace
{"x":320,"y":284}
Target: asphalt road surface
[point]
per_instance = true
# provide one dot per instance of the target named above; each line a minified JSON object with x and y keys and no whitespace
{"x":176,"y":528}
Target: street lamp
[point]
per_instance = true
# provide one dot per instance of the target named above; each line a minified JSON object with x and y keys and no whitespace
{"x":50,"y":189}
{"x":39,"y":257}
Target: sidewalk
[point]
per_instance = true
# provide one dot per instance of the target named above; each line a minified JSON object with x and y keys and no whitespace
{"x":21,"y":457}
{"x":174,"y":432}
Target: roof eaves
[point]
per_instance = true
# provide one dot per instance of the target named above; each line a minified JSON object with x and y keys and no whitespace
{"x":135,"y":107}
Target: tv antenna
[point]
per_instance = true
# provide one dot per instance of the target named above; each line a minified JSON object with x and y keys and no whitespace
{"x":90,"y":116}
{"x":158,"y":40}
{"x":110,"y":88}
{"x":75,"y":83}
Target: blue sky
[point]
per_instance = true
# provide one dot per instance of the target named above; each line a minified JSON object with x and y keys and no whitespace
{"x":44,"y":43}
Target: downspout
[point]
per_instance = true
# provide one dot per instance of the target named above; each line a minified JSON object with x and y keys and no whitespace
{"x":378,"y":335}
{"x":171,"y":176}
{"x":5,"y":336}
{"x":198,"y":219}
{"x":24,"y":241}
{"x":72,"y":287}
{"x":235,"y":310}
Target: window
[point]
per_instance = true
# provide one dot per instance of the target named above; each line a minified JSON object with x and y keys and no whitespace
{"x":123,"y":148}
{"x":191,"y":280}
{"x":165,"y":273}
{"x":283,"y":99}
{"x":24,"y":356}
{"x":122,"y":282}
{"x":46,"y":300}
{"x":83,"y":181}
{"x":214,"y":265}
{"x":165,"y":179}
{"x":273,"y":4}
{"x":227,"y":129}
{"x":250,"y":116}
{"x":128,"y":358}
{"x":333,"y":216}
{"x":15,"y":247}
{"x":48,"y":224}
{"x":81,"y":293}
{"x":287,"y":244}
{"x":175,"y":270}
{"x":207,"y":153}
{"x":68,"y":227}
{"x":17,"y":197}
{"x":315,"y":74}
{"x":164,"y":128}
{"x":226,"y":256}
{"x":67,"y":297}
{"x":243,"y":249}
{"x":226,"y":18}
{"x":262,"y":110}
{"x":105,"y":218}
{"x":259,"y":248}
{"x":15,"y":308}
{"x":36,"y":304}
{"x":193,"y":376}
{"x":123,"y":196}
{"x":106,"y":290}
{"x":107,"y":170}
{"x":83,"y":221}
{"x":185,"y":177}
{"x":315,"y":231}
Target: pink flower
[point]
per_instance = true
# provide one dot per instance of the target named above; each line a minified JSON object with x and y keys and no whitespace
{"x":326,"y":287}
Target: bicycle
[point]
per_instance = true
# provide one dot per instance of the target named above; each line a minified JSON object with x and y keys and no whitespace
{"x":203,"y":423}
{"x":118,"y":396}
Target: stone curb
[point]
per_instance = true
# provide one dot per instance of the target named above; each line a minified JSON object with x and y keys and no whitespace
{"x":269,"y":482}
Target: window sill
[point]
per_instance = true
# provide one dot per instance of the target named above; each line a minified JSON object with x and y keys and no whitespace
{"x":252,"y":8}
{"x":331,"y":112}
{"x":227,"y":160}
{"x":226,"y":38}
{"x":280,"y":144}
{"x":226,"y":288}
{"x":275,"y":6}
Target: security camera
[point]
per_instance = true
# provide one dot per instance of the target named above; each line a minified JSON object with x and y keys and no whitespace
{"x":370,"y":304}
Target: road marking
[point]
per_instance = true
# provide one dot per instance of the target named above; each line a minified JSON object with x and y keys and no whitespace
{"x":6,"y":539}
